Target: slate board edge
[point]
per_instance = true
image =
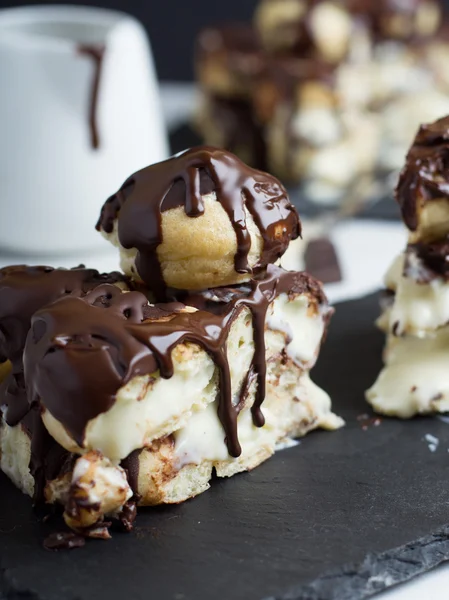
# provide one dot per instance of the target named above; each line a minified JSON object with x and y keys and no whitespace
{"x":377,"y":572}
{"x":351,"y":582}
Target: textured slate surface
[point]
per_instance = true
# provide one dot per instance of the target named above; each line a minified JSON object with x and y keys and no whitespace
{"x":318,"y":521}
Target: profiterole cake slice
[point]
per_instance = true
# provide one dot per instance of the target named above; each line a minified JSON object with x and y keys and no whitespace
{"x":136,"y":403}
{"x":415,"y":312}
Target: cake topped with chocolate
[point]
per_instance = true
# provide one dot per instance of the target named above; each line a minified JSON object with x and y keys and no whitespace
{"x":23,"y":291}
{"x":114,"y":401}
{"x":200,"y":219}
{"x":415,"y":319}
{"x":424,"y":180}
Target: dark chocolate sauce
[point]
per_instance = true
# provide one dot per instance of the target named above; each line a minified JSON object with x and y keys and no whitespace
{"x":96,"y":54}
{"x":24,"y":290}
{"x":427,"y":261}
{"x":183,"y":180}
{"x":47,"y":457}
{"x":425,"y":176}
{"x":131,"y":466}
{"x":80,"y":351}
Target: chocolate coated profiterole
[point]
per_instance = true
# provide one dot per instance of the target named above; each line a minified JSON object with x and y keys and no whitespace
{"x":425,"y":177}
{"x":184,"y":181}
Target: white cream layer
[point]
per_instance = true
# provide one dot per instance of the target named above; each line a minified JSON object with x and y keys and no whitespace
{"x":415,"y":377}
{"x":418,"y":308}
{"x":150,"y":407}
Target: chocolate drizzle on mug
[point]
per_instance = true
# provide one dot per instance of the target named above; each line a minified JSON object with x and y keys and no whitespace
{"x":96,"y":53}
{"x":183,"y":180}
{"x":425,"y":176}
{"x":81,"y":351}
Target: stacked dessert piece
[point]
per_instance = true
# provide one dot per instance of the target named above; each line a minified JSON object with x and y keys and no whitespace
{"x":324,"y":93}
{"x":416,"y":303}
{"x":125,"y":390}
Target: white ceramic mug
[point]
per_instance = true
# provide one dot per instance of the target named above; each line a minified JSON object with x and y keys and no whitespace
{"x":53,"y":180}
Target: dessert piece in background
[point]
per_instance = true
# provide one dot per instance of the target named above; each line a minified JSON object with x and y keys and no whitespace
{"x":227,"y":58}
{"x":133,"y":403}
{"x":298,"y":25}
{"x":318,"y":30}
{"x":231,"y":123}
{"x":312,"y":136}
{"x":233,"y":221}
{"x":415,"y":312}
{"x":347,"y":79}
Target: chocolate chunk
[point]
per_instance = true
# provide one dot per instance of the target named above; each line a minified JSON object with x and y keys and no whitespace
{"x":321,"y":261}
{"x":66,"y":540}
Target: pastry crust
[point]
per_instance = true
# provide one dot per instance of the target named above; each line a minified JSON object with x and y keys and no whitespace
{"x":198,"y":253}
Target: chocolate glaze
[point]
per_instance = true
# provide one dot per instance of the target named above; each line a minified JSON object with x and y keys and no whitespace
{"x":47,"y":458}
{"x":131,"y":466}
{"x":425,"y":262}
{"x":425,"y":176}
{"x":182,"y":181}
{"x":81,"y":351}
{"x":23,"y":290}
{"x":96,"y":54}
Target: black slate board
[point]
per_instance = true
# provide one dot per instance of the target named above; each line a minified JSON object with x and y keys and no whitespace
{"x":384,"y":208}
{"x":319,"y":519}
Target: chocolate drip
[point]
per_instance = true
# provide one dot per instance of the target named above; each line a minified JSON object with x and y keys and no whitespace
{"x":24,"y":290}
{"x":131,"y":466}
{"x":183,"y":180}
{"x":47,"y":458}
{"x":425,"y":262}
{"x":81,"y":351}
{"x":425,"y":176}
{"x":96,"y":54}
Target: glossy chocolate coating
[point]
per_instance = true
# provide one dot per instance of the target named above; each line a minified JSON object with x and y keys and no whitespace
{"x":183,"y":180}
